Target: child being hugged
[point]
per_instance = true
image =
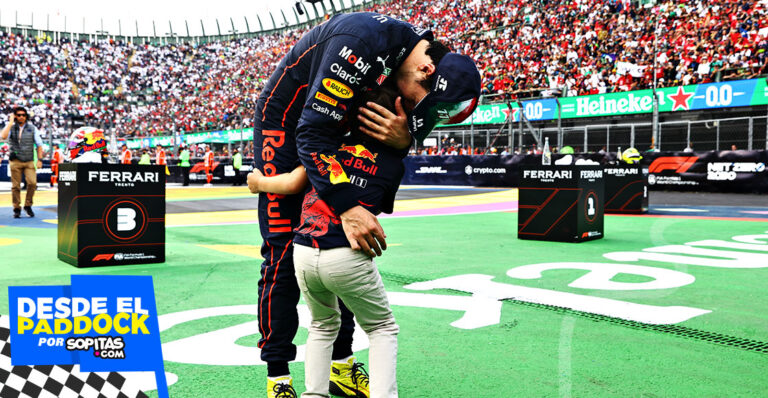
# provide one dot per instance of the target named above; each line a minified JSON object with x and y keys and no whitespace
{"x":328,"y":269}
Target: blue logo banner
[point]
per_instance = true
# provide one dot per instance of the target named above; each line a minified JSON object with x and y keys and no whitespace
{"x":105,"y":323}
{"x":723,"y":95}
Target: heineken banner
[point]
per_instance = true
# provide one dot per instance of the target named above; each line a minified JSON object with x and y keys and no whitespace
{"x":208,"y":137}
{"x":671,"y":99}
{"x":724,"y":171}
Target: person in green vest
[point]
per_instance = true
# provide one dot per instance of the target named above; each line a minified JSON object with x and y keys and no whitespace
{"x":144,"y":157}
{"x":237,"y":163}
{"x":184,"y":164}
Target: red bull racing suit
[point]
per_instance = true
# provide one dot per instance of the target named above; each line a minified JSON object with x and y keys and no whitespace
{"x":373,"y":169}
{"x":297,"y":119}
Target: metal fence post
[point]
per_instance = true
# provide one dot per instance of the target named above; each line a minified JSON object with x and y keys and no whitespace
{"x":585,"y":139}
{"x":559,"y":124}
{"x":608,"y":139}
{"x":520,"y":138}
{"x":472,"y":136}
{"x":511,"y":136}
{"x":655,"y":127}
{"x":749,"y":135}
{"x":632,"y":136}
{"x":688,"y":137}
{"x":717,"y":137}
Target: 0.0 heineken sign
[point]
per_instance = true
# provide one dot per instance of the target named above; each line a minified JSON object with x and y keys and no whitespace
{"x":671,"y":99}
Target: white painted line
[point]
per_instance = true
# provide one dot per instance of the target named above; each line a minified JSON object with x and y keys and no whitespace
{"x":682,"y":210}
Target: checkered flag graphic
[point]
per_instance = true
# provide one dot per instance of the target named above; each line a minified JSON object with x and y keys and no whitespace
{"x":52,"y":381}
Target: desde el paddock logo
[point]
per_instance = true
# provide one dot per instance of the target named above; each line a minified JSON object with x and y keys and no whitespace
{"x":103,"y":323}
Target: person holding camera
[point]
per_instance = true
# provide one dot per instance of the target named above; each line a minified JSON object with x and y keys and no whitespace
{"x":23,"y":137}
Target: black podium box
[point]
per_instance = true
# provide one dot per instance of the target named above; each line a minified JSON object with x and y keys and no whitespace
{"x":626,"y":189}
{"x":111,"y":214}
{"x":561,"y":203}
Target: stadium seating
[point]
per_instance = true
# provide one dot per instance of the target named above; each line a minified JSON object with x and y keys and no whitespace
{"x":523,"y":49}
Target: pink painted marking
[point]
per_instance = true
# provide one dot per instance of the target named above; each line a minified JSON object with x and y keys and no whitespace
{"x":481,"y":208}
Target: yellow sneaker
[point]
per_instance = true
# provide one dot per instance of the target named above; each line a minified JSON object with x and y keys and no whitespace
{"x":281,"y":387}
{"x":349,"y":379}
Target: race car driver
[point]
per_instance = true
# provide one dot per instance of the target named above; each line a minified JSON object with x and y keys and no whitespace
{"x":297,"y":119}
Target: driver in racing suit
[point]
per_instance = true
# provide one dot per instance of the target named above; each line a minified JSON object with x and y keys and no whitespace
{"x":297,"y":120}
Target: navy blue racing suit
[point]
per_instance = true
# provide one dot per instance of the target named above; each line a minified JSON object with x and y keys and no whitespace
{"x":375,"y":171}
{"x":297,"y":119}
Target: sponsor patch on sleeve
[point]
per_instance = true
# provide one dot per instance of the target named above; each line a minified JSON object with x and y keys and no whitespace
{"x":328,"y":100}
{"x":337,"y":88}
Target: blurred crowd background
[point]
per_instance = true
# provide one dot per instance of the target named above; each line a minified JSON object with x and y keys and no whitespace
{"x":524,"y":49}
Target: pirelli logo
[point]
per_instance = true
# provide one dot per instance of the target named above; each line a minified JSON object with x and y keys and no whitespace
{"x":328,"y":100}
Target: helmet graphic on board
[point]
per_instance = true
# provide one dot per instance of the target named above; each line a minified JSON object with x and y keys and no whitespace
{"x":631,"y":156}
{"x":85,"y":139}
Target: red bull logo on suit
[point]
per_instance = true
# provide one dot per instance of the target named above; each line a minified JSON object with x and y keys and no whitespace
{"x":359,"y":151}
{"x":334,"y":167}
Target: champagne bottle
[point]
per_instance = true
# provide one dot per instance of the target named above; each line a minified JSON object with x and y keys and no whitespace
{"x":546,"y":155}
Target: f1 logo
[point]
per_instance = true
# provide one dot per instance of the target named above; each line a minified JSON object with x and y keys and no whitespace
{"x":126,"y":219}
{"x":105,"y":257}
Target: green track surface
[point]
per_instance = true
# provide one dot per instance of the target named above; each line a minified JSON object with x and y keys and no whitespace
{"x":534,"y":351}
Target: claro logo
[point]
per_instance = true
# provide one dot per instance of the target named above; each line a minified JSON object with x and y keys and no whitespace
{"x":678,"y":164}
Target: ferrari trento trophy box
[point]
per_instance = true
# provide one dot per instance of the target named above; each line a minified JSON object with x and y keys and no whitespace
{"x":111,"y":214}
{"x":626,"y":189}
{"x":561,"y":203}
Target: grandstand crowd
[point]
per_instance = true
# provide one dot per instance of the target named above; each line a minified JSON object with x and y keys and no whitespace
{"x":522,"y":48}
